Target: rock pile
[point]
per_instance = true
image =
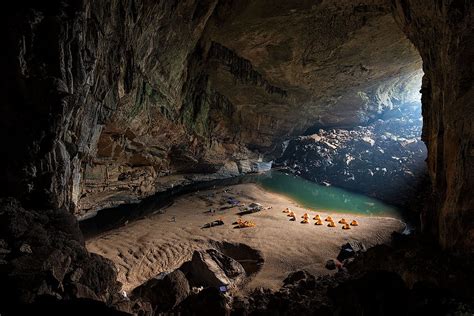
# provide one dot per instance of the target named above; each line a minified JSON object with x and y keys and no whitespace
{"x":384,"y":159}
{"x":407,"y":278}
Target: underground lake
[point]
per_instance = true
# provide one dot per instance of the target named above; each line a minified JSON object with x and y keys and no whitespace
{"x":320,"y":197}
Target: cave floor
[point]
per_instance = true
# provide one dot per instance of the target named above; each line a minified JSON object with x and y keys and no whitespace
{"x":162,"y":242}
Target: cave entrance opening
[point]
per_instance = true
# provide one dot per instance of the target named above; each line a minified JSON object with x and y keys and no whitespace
{"x":383,"y":157}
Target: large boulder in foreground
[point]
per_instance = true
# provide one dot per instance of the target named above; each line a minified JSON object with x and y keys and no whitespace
{"x":350,"y":250}
{"x":209,"y":301}
{"x":212,"y":268}
{"x":164,"y":294}
{"x":42,"y":255}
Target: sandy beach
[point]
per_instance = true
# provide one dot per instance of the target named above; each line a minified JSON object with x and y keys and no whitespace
{"x":162,"y":242}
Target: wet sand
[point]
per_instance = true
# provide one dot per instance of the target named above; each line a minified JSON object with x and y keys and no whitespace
{"x":162,"y":242}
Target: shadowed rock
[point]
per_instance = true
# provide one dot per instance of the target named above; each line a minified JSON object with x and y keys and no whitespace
{"x":214,"y":269}
{"x":166,"y":293}
{"x":46,"y":256}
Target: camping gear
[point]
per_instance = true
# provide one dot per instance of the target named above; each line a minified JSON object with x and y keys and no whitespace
{"x":214,"y":223}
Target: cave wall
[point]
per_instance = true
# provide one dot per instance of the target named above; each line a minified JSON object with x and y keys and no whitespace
{"x":54,"y":99}
{"x":106,"y":102}
{"x":241,"y":86}
{"x":75,"y":71}
{"x":443,"y":34}
{"x":316,"y":63}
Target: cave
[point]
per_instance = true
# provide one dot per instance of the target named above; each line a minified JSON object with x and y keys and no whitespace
{"x":221,"y":157}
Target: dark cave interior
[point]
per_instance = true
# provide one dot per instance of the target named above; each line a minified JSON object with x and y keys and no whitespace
{"x":130,"y":125}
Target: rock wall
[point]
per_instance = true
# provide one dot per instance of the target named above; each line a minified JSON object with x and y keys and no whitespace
{"x":80,"y":73}
{"x":42,"y":255}
{"x":443,"y":32}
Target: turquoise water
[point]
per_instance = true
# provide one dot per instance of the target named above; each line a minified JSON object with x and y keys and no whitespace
{"x":318,"y":197}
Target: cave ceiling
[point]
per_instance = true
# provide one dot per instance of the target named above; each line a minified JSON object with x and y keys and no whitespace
{"x":205,"y":84}
{"x":143,"y":94}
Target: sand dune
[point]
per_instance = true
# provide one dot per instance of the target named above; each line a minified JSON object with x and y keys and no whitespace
{"x":146,"y":247}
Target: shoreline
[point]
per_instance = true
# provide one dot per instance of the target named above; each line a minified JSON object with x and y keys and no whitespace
{"x":108,"y":219}
{"x":394,"y":215}
{"x":155,"y":243}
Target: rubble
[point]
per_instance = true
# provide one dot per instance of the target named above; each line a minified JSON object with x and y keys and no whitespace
{"x":384,"y":159}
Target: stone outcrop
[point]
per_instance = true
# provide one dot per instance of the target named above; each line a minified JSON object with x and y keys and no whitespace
{"x":421,"y":265}
{"x":382,"y":281}
{"x":443,"y":33}
{"x":211,"y":268}
{"x":42,"y":255}
{"x":209,"y":301}
{"x":164,"y":294}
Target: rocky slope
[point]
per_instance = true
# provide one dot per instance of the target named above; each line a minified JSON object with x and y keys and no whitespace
{"x":384,"y":159}
{"x":112,"y":101}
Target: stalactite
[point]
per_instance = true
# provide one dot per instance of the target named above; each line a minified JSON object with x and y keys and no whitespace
{"x":242,"y":69}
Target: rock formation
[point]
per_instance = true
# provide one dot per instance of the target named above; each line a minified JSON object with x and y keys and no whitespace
{"x":444,"y":35}
{"x":214,"y":269}
{"x":42,"y":254}
{"x":113,"y":101}
{"x":164,"y":294}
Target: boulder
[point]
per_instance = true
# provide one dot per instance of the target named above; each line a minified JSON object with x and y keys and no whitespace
{"x":164,"y":294}
{"x":46,"y":256}
{"x":331,"y":264}
{"x":351,"y":249}
{"x":300,"y":279}
{"x":209,"y":301}
{"x":296,"y":276}
{"x":213,"y":268}
{"x":25,"y":248}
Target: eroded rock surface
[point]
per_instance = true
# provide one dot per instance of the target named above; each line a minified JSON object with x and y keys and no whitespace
{"x":383,"y":280}
{"x":164,"y":294}
{"x":212,"y":268}
{"x":257,"y":74}
{"x":107,"y":97}
{"x":444,"y":35}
